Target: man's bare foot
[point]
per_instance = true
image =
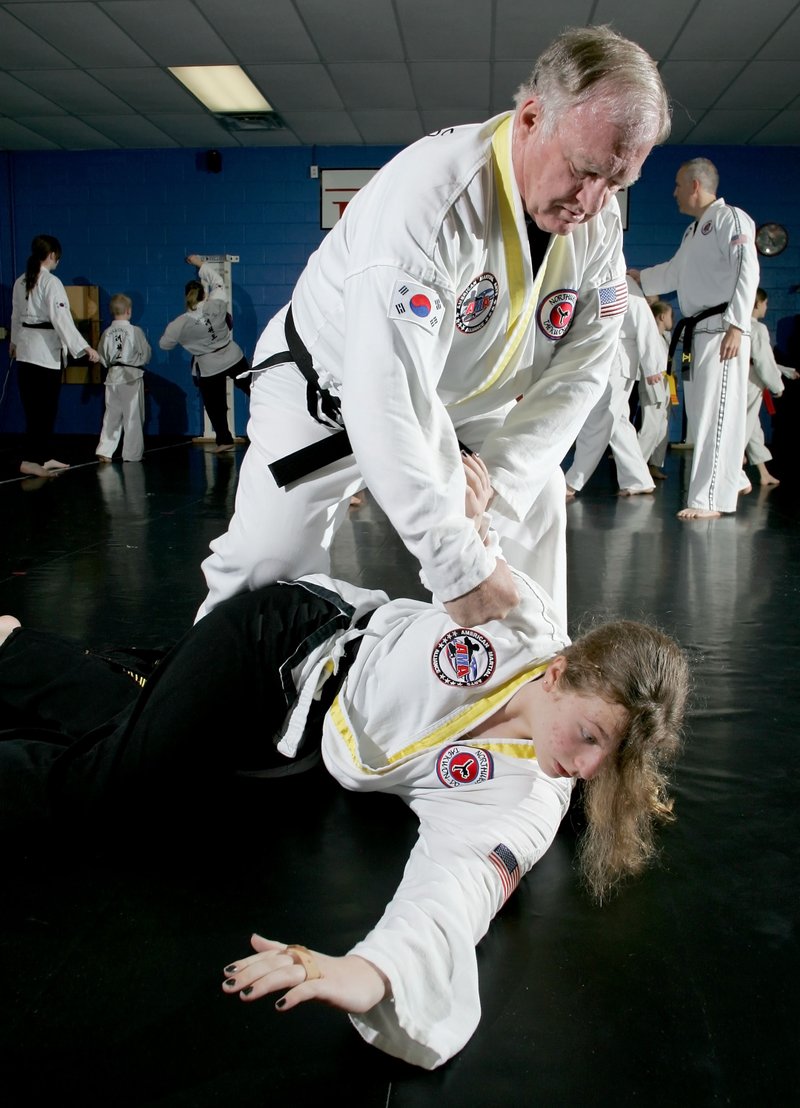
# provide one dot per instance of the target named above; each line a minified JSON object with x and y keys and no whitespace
{"x":657,"y":473}
{"x":33,"y":469}
{"x":698,"y":513}
{"x":745,"y":490}
{"x":55,"y":464}
{"x":571,"y":492}
{"x":765,"y":477}
{"x":103,"y":458}
{"x":637,"y":492}
{"x":225,"y":448}
{"x":7,"y":625}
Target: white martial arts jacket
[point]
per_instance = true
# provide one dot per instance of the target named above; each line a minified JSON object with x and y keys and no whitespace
{"x":204,"y":332}
{"x":124,"y":351}
{"x":46,"y":303}
{"x":422,"y":311}
{"x":401,"y":724}
{"x":716,"y":262}
{"x":764,"y":371}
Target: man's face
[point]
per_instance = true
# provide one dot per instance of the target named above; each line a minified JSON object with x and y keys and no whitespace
{"x":569,"y":176}
{"x":684,"y":191}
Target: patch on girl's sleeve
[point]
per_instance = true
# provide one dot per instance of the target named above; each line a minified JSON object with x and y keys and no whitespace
{"x":505,"y":862}
{"x":463,"y":657}
{"x":416,"y":304}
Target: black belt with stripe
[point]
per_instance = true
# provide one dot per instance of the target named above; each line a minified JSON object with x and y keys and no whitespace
{"x":685,"y":331}
{"x":322,"y":405}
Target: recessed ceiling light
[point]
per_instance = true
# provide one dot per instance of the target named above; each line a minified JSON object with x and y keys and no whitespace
{"x":222,"y":88}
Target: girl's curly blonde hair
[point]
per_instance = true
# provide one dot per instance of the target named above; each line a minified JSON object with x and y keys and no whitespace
{"x":645,"y":671}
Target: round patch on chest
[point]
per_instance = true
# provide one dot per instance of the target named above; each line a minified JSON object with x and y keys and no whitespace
{"x":476,"y":304}
{"x":555,"y":313}
{"x":463,"y":765}
{"x":706,"y":228}
{"x":463,"y":657}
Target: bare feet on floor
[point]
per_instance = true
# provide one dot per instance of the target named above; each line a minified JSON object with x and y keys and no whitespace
{"x":765,"y":477}
{"x":54,"y":465}
{"x":226,"y":448}
{"x":637,"y":492}
{"x":744,"y":491}
{"x":657,"y":473}
{"x":7,"y":625}
{"x":33,"y":469}
{"x":698,"y":513}
{"x":103,"y":458}
{"x":571,"y":492}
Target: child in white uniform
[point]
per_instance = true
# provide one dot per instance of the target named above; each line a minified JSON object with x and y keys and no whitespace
{"x":125,"y":352}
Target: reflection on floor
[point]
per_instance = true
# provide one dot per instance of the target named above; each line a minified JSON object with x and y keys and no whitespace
{"x":680,"y":991}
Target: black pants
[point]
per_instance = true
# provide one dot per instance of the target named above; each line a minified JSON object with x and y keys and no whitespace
{"x":39,"y":388}
{"x":81,"y":738}
{"x":215,"y":400}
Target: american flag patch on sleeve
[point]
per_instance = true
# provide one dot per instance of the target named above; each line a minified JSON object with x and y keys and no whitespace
{"x":613,"y":299}
{"x":507,"y":866}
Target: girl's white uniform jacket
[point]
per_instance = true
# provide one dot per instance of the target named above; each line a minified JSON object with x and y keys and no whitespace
{"x":422,"y":310}
{"x":204,"y":332}
{"x":47,"y":302}
{"x":401,"y":724}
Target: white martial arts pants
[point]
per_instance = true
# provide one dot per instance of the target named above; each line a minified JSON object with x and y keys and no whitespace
{"x":654,"y":432}
{"x":279,"y":534}
{"x":608,"y":424}
{"x":757,"y":452}
{"x":124,"y":416}
{"x":716,"y":406}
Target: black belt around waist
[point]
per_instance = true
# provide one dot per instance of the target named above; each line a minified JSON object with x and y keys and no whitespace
{"x":39,"y":326}
{"x":685,"y":331}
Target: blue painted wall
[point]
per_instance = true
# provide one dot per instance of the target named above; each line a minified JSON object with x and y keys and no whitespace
{"x":126,"y":219}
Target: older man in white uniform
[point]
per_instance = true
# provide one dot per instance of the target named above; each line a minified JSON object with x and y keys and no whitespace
{"x":715,"y":273}
{"x":481,"y":265}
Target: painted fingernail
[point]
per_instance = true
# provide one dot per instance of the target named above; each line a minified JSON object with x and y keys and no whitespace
{"x":230,"y":969}
{"x":247,"y":990}
{"x":280,"y":1003}
{"x":230,"y":982}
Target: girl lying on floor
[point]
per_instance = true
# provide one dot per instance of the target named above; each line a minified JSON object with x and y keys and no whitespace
{"x":482,"y":731}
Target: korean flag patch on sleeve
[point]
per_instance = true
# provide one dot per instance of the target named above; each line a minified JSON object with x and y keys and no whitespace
{"x":416,"y":304}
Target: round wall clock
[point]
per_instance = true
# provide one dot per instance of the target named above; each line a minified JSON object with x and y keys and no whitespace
{"x":771,"y":239}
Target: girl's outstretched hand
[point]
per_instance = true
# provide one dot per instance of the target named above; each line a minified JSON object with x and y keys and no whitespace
{"x":350,"y":983}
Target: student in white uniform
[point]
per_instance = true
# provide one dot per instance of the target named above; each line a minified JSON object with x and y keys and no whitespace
{"x":715,"y":273}
{"x":480,"y":265}
{"x":125,"y":352}
{"x":608,"y":423}
{"x":765,"y":373}
{"x":655,"y":397}
{"x":482,"y":731}
{"x":41,"y":327}
{"x":205,"y":332}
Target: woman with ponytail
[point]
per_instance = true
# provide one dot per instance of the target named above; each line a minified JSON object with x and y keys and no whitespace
{"x":41,"y":328}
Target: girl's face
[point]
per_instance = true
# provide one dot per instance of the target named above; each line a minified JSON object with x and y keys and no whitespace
{"x":574,"y":734}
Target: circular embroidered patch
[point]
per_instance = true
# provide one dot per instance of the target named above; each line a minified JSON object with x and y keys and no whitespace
{"x":463,"y":765}
{"x":476,"y":304}
{"x":705,"y":229}
{"x":555,"y":313}
{"x":463,"y":657}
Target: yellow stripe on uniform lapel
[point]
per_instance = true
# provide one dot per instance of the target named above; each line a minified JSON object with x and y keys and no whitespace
{"x":520,"y":313}
{"x":455,"y":726}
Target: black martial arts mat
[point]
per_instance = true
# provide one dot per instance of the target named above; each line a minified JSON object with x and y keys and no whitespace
{"x":682,"y":990}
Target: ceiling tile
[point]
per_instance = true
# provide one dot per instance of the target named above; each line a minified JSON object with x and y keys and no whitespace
{"x":783,"y":130}
{"x":713,"y":32}
{"x":451,"y":84}
{"x":323,"y":128}
{"x":363,"y":30}
{"x":68,"y":132}
{"x":653,"y":30}
{"x":173,"y":32}
{"x":260,"y":32}
{"x":193,"y":130}
{"x":728,"y":128}
{"x":698,"y":85}
{"x":16,"y":98}
{"x":21,"y":48}
{"x":447,"y":31}
{"x":522,"y":31}
{"x":769,"y":84}
{"x":150,"y":89}
{"x":389,"y":127}
{"x":13,"y":136}
{"x":374,"y":84}
{"x":295,"y":86}
{"x":73,"y":90}
{"x":70,"y":27}
{"x":130,"y":131}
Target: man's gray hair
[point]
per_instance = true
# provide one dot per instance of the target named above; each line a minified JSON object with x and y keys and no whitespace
{"x":619,"y":78}
{"x":704,"y":171}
